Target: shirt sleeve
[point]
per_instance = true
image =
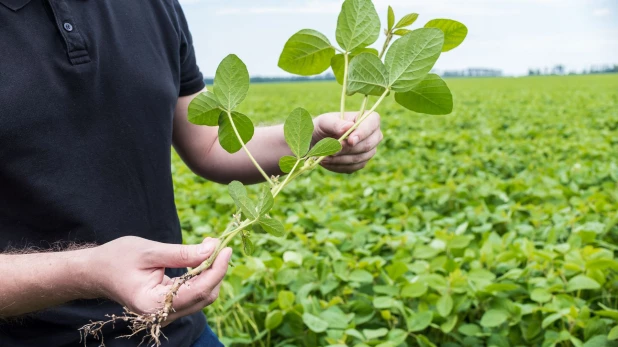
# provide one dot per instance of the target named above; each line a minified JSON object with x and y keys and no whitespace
{"x":191,"y":79}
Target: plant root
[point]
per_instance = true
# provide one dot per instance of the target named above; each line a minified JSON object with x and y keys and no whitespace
{"x":148,"y":323}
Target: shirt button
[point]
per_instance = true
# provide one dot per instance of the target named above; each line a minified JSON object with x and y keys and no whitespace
{"x":68,"y":27}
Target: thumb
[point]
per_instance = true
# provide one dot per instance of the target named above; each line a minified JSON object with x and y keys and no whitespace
{"x":331,"y":125}
{"x":181,"y":256}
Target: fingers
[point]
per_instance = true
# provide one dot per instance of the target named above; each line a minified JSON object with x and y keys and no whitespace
{"x":370,"y":126}
{"x":203,"y":289}
{"x":349,"y":159}
{"x":368,"y":144}
{"x":180,"y":256}
{"x":331,"y":125}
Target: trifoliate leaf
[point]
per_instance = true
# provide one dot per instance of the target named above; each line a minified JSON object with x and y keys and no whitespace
{"x":419,"y":321}
{"x":298,"y":130}
{"x":406,"y":21}
{"x":431,"y":96}
{"x":338,"y":62}
{"x":306,"y":53}
{"x":204,"y":109}
{"x":265,"y":200}
{"x":454,"y":32}
{"x":325,"y":147}
{"x":231,"y":83}
{"x":271,"y":226}
{"x":358,"y":24}
{"x":412,"y":56}
{"x":227,"y":136}
{"x":367,"y":76}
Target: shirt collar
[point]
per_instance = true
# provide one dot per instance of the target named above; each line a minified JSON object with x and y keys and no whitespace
{"x":14,"y":4}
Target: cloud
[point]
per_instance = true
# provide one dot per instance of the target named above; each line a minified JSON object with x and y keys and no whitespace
{"x":601,"y":12}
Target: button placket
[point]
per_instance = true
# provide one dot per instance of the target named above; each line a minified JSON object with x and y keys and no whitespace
{"x":75,"y":43}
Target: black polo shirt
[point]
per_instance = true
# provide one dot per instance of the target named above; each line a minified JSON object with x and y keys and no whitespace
{"x":87,"y":95}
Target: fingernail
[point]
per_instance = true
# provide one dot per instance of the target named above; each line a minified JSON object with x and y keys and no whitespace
{"x":204,"y":248}
{"x":229,"y":255}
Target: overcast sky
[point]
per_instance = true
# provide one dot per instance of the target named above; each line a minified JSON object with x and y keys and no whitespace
{"x":511,"y":35}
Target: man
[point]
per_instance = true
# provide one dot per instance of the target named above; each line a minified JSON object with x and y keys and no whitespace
{"x":92,"y":96}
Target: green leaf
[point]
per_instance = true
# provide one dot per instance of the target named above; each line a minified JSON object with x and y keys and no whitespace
{"x":273,"y":319}
{"x":367,"y":75}
{"x":373,"y":334}
{"x":231,"y":83}
{"x":383,"y":302}
{"x":420,"y":321}
{"x":271,"y":226}
{"x":227,"y":135}
{"x":338,"y":62}
{"x":391,"y":18}
{"x":358,"y":24}
{"x":493,"y":318}
{"x":298,"y":130}
{"x":407,"y":20}
{"x":401,"y":32}
{"x":306,"y":53}
{"x":204,"y":109}
{"x":469,"y":329}
{"x":361,"y":276}
{"x":247,"y":207}
{"x":237,"y":190}
{"x":286,"y":163}
{"x":414,"y":290}
{"x":454,"y":32}
{"x":316,"y":324}
{"x":449,"y":324}
{"x":540,"y":295}
{"x":445,"y":305}
{"x":247,"y":245}
{"x":613,"y":334}
{"x":265,"y":200}
{"x":431,"y":96}
{"x":286,"y":299}
{"x":412,"y":56}
{"x":325,"y":147}
{"x":581,"y":282}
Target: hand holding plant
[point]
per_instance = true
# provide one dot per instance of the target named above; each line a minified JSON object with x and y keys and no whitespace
{"x":401,"y":68}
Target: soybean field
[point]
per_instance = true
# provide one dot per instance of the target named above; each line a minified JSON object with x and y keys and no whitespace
{"x":496,"y":225}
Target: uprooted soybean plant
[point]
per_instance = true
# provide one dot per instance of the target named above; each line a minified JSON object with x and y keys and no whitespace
{"x":401,"y":67}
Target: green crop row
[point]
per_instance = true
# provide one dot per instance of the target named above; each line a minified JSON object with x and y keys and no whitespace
{"x":496,"y":225}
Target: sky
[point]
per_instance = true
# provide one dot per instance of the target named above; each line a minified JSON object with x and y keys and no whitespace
{"x":511,"y":35}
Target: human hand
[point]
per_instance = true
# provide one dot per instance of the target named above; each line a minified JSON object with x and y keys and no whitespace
{"x":130,"y":271}
{"x":359,"y":147}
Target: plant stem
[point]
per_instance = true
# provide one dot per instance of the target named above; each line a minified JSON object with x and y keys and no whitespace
{"x":291,"y":176}
{"x":389,"y":37}
{"x":229,"y":115}
{"x":287,"y":178}
{"x":345,"y":83}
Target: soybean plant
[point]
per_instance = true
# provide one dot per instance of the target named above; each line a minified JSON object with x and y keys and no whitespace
{"x":402,"y":67}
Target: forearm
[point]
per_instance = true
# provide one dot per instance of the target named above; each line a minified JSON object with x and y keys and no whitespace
{"x":32,"y":282}
{"x":267,"y":147}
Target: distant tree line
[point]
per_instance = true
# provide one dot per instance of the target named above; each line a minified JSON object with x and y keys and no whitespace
{"x":561,"y":70}
{"x":260,"y":79}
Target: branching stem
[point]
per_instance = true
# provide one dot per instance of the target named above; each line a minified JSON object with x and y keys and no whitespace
{"x":229,"y":114}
